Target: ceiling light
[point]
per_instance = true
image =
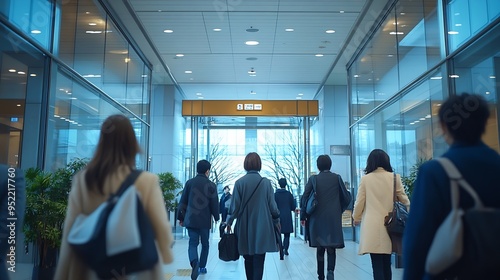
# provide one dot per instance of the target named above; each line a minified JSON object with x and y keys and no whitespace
{"x":390,"y":55}
{"x":188,"y":72}
{"x":168,"y":31}
{"x":251,"y":29}
{"x":200,"y":97}
{"x":18,"y":105}
{"x":33,"y":75}
{"x":487,"y":92}
{"x":454,"y":76}
{"x":318,"y":55}
{"x":93,"y":32}
{"x":252,"y":72}
{"x":402,"y":14}
{"x":21,"y":72}
{"x":12,"y":70}
{"x":199,"y":93}
{"x":289,"y":29}
{"x":253,"y":92}
{"x":127,"y":59}
{"x":217,"y":29}
{"x":422,"y":119}
{"x":298,"y":97}
{"x":144,"y":76}
{"x":453,"y":32}
{"x":179,"y":55}
{"x":428,"y":116}
{"x":356,"y":76}
{"x":92,"y":23}
{"x":491,"y":77}
{"x":436,"y":78}
{"x":300,"y":94}
{"x":252,"y":43}
{"x":91,"y":76}
{"x":88,"y":13}
{"x":396,"y":33}
{"x":330,"y":31}
{"x":35,"y":31}
{"x":341,"y":12}
{"x":458,"y":24}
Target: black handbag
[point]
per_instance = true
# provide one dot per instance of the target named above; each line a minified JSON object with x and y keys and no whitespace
{"x":395,"y":220}
{"x":312,"y":202}
{"x":228,"y":247}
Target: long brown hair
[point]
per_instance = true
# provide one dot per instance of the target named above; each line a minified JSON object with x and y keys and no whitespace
{"x":117,"y":146}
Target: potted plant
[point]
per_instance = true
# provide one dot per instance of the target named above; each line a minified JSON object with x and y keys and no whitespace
{"x":171,"y":187}
{"x":46,"y":203}
{"x":409,"y":181}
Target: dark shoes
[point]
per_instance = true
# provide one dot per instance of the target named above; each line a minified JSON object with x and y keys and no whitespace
{"x":195,"y":270}
{"x":329,"y":275}
{"x":203,"y":270}
{"x":285,"y":252}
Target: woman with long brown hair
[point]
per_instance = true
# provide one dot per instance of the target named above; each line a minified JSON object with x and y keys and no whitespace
{"x":113,"y":161}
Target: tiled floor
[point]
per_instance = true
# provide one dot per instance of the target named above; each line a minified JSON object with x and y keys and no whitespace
{"x":299,"y":265}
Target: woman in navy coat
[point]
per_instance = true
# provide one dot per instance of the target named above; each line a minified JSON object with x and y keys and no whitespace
{"x":286,"y":204}
{"x":463,"y":120}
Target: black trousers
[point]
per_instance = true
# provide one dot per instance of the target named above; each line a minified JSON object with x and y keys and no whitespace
{"x":286,"y":241}
{"x":320,"y":258}
{"x":254,"y":266}
{"x":381,"y":264}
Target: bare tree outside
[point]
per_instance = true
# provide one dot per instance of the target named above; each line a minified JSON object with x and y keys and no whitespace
{"x":285,"y":159}
{"x":223,"y":169}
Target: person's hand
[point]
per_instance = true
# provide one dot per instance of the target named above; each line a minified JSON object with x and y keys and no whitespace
{"x":357,"y":223}
{"x":228,"y":228}
{"x":303,"y":223}
{"x":181,"y":223}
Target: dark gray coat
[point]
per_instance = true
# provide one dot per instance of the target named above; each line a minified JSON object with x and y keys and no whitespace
{"x":254,"y":224}
{"x":325,"y":223}
{"x":286,"y":204}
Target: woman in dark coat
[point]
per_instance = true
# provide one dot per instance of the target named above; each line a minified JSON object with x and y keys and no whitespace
{"x":255,"y":222}
{"x":325,"y":223}
{"x":286,"y":204}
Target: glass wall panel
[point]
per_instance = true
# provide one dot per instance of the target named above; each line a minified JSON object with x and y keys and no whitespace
{"x":76,"y":113}
{"x":134,"y":96}
{"x":476,"y":70}
{"x":467,"y":17}
{"x":33,"y":17}
{"x":419,"y":33}
{"x":116,"y":60}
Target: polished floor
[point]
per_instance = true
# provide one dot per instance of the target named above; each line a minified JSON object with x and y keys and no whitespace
{"x":299,"y":265}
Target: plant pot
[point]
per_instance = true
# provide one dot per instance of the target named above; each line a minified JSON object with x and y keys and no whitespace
{"x":43,"y":273}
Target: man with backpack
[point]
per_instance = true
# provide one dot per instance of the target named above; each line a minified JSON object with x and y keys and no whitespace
{"x":463,"y":121}
{"x":198,"y":204}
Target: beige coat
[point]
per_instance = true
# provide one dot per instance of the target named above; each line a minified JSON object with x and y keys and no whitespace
{"x":373,"y":202}
{"x":81,"y":200}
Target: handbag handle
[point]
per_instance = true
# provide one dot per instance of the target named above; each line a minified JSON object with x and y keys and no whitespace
{"x":394,"y":198}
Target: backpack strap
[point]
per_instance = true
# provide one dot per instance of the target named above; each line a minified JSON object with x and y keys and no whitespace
{"x":456,"y":178}
{"x":129,"y":181}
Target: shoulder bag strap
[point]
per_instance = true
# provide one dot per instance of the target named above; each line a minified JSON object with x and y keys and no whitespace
{"x":313,"y":182}
{"x":243,"y":209}
{"x":456,"y":177}
{"x":394,"y":197}
{"x":128,"y":182}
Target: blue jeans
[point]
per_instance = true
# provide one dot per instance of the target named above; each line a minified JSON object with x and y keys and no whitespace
{"x":195,"y":234}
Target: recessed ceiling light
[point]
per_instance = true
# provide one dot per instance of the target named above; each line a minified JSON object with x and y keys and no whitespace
{"x":402,"y":14}
{"x":454,"y":76}
{"x":92,"y":23}
{"x":318,"y":55}
{"x":330,"y":31}
{"x":252,"y":43}
{"x":93,"y":32}
{"x":300,"y":94}
{"x":200,"y":97}
{"x":12,"y":70}
{"x":342,"y":12}
{"x":436,"y":78}
{"x":289,"y":29}
{"x":252,"y":71}
{"x":33,"y":75}
{"x":390,"y":55}
{"x":159,"y":11}
{"x":487,"y":92}
{"x":127,"y":59}
{"x":199,"y":93}
{"x":217,"y":29}
{"x":36,"y":31}
{"x":491,"y":77}
{"x":179,"y":55}
{"x":396,"y":33}
{"x":144,"y":76}
{"x":88,"y":13}
{"x":253,"y":92}
{"x":298,"y":97}
{"x":188,"y":72}
{"x":21,"y":72}
{"x":168,"y":31}
{"x":458,"y":24}
{"x":18,"y":105}
{"x":356,"y":76}
{"x":453,"y":32}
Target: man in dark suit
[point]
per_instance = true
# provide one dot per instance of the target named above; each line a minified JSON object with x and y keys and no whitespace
{"x":198,"y":203}
{"x":225,"y":201}
{"x":12,"y":205}
{"x":286,"y":204}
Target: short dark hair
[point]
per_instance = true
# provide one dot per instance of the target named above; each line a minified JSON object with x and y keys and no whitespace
{"x":465,"y":117}
{"x":378,"y":158}
{"x":202,"y":166}
{"x":226,"y":187}
{"x":282,"y":183}
{"x":252,"y":162}
{"x":324,"y":162}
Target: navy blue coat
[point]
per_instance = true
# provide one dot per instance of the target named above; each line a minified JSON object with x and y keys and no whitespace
{"x":199,"y":201}
{"x":286,"y":204}
{"x":431,"y":203}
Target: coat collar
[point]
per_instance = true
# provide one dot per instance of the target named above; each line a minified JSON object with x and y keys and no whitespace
{"x":379,"y":169}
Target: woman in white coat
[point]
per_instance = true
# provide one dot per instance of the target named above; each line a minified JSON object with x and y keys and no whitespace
{"x":373,"y":202}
